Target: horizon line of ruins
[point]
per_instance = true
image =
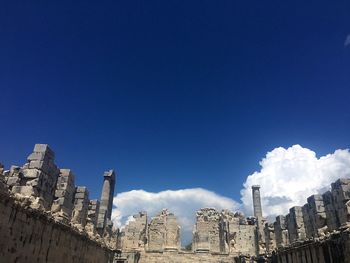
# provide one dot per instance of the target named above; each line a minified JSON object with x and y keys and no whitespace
{"x":53,"y":190}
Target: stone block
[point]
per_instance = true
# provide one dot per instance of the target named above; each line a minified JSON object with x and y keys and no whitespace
{"x":81,"y":189}
{"x":32,"y":173}
{"x":44,"y":148}
{"x":25,"y":190}
{"x":80,"y":195}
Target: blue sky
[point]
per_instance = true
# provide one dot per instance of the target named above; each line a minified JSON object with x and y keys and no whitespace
{"x":172,"y":94}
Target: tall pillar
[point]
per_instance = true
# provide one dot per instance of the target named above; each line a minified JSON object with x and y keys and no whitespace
{"x":257,"y":201}
{"x":106,"y":203}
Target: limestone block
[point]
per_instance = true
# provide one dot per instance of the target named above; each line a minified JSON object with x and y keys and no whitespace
{"x":44,"y":148}
{"x":32,"y":173}
{"x":341,"y":196}
{"x":309,"y":229}
{"x":13,"y":180}
{"x":295,"y":224}
{"x":330,"y":210}
{"x":25,"y":190}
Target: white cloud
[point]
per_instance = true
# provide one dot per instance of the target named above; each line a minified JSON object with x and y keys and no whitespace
{"x":347,"y":41}
{"x":183,"y":203}
{"x":288,"y":176}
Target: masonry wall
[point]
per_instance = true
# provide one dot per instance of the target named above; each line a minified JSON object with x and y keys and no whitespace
{"x":335,"y":249}
{"x":27,"y":235}
{"x":179,"y":257}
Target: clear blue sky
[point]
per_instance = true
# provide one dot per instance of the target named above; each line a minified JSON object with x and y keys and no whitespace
{"x":172,"y":94}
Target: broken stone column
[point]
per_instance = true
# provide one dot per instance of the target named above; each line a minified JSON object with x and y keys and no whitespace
{"x":206,"y":236}
{"x":295,"y":224}
{"x":317,"y":215}
{"x":81,"y":205}
{"x":63,"y":202}
{"x":341,"y":198}
{"x":134,"y":235}
{"x":331,"y":215}
{"x":106,"y":203}
{"x":39,"y":176}
{"x":281,"y":231}
{"x":163,"y":233}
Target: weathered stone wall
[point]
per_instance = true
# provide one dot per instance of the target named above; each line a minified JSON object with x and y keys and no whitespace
{"x":335,"y":248}
{"x":319,"y":231}
{"x":163,"y":233}
{"x":134,"y":235}
{"x":45,"y":218}
{"x":29,"y":235}
{"x":178,"y":257}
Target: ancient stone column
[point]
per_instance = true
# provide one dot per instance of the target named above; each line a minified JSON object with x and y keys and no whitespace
{"x":257,"y":201}
{"x":106,"y":202}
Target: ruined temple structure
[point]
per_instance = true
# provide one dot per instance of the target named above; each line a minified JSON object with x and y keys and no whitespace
{"x":317,"y":232}
{"x":45,"y":217}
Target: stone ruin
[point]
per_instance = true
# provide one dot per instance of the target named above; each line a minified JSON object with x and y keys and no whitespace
{"x":52,"y":191}
{"x":318,"y":231}
{"x":224,"y":236}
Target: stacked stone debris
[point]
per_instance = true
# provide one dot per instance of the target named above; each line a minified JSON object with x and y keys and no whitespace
{"x":63,"y":203}
{"x":81,"y":206}
{"x":38,"y":177}
{"x":14,"y":176}
{"x":94,"y":206}
{"x":92,"y":213}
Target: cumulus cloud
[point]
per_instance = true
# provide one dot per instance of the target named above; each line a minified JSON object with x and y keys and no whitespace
{"x":183,"y":203}
{"x":288,"y":176}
